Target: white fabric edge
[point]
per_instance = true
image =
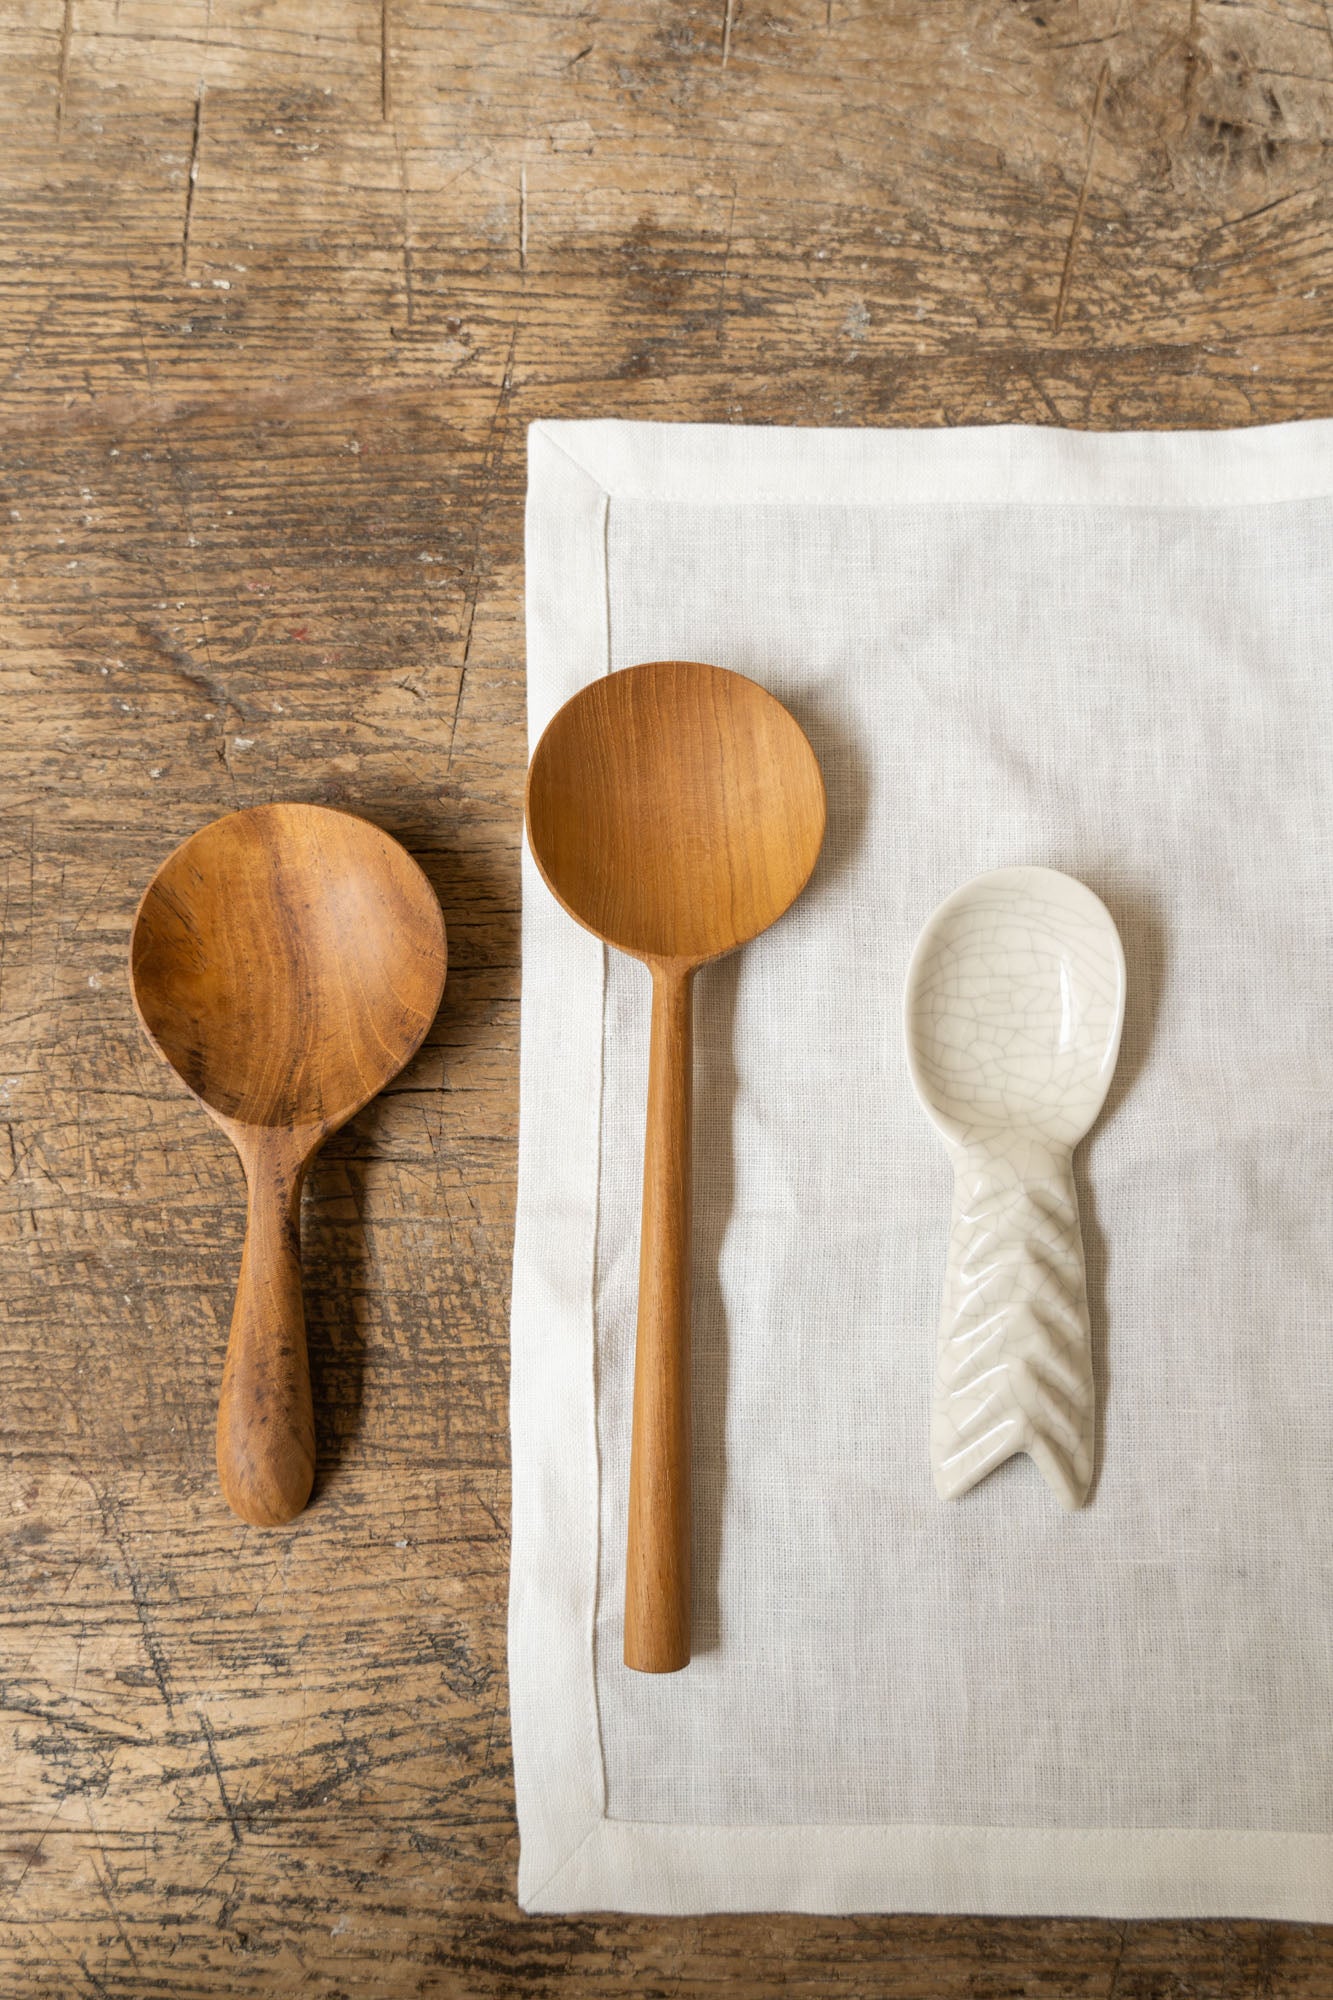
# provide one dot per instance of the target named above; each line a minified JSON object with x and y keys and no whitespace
{"x":945,"y":1871}
{"x":572,"y":1857}
{"x":558,"y":1775}
{"x":1012,"y":464}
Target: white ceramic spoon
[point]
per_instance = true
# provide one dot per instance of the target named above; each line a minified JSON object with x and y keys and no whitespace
{"x":1015,"y":1001}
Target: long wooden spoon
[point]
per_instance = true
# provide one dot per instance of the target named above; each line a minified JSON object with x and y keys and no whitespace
{"x":675,"y":811}
{"x":286,"y":961}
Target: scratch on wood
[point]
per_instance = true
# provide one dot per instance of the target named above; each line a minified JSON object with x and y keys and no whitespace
{"x":726,"y":259}
{"x":192,"y":178}
{"x":1066,"y":276}
{"x":726,"y":33}
{"x":1264,"y":208}
{"x":385,"y":104}
{"x":62,"y":76}
{"x":1192,"y":62}
{"x":105,"y":1884}
{"x":407,"y":230}
{"x":1039,"y":389}
{"x":490,"y":467}
{"x":227,"y":1805}
{"x":522,"y":218}
{"x":111,"y":1528}
{"x":1086,"y":41}
{"x":151,"y":1647}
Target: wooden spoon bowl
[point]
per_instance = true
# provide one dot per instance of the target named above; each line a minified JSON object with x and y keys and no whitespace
{"x":675,"y":810}
{"x":287,"y":962}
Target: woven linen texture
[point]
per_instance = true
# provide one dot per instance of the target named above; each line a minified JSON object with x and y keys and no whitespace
{"x":1139,"y":697}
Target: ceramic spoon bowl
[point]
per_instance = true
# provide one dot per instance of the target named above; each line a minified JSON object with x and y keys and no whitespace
{"x":1014,"y":1007}
{"x":286,"y":961}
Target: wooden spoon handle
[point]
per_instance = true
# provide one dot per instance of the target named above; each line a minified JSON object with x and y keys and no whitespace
{"x":266,"y":1425}
{"x":657,"y":1564}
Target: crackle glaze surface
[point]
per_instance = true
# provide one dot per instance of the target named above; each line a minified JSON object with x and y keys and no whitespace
{"x":1014,"y":1007}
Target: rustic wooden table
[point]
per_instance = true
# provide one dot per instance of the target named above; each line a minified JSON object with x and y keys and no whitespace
{"x":282,"y":285}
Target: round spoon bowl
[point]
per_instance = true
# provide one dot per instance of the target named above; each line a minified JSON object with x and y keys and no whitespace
{"x":675,"y":810}
{"x":1014,"y":1006}
{"x":287,"y":961}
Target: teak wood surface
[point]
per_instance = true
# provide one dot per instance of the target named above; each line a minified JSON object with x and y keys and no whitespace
{"x":280,"y":287}
{"x":676,"y":811}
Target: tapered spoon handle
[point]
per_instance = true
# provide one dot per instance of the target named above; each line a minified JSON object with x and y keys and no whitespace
{"x":266,"y":1425}
{"x":657,"y":1569}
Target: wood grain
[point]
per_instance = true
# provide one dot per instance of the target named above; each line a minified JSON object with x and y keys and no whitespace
{"x":266,"y":1421}
{"x":676,"y":811}
{"x":278,"y":292}
{"x":657,"y":1543}
{"x":286,"y":961}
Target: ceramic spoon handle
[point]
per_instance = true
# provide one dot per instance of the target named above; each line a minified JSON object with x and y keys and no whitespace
{"x":1014,"y":1369}
{"x":657,"y":1565}
{"x":266,"y":1426}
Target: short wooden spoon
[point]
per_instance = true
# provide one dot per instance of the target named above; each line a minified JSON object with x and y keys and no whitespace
{"x":286,"y":961}
{"x":675,"y":810}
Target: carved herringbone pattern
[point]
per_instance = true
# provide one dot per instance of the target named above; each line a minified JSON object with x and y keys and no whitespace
{"x":1014,"y":1370}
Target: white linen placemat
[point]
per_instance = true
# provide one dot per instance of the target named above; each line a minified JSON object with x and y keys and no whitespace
{"x":1109,"y":655}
